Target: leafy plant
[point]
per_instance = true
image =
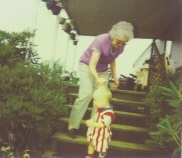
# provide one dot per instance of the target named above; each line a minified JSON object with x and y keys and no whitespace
{"x":32,"y":97}
{"x":155,"y":103}
{"x":168,"y":128}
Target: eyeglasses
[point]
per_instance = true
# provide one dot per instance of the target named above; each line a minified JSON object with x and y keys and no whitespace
{"x":119,"y":42}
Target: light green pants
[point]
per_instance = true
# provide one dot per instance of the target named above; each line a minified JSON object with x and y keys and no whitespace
{"x":87,"y":86}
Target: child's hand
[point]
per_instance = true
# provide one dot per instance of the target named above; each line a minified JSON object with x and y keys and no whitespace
{"x":90,"y":123}
{"x":101,"y":81}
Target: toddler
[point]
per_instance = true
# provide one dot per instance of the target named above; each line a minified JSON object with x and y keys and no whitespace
{"x":99,"y":127}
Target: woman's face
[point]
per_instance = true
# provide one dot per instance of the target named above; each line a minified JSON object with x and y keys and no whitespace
{"x":117,"y":42}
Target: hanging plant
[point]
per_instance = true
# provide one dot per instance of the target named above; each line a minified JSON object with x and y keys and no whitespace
{"x":66,"y":27}
{"x":72,"y":36}
{"x":62,"y":20}
{"x":50,"y":4}
{"x":45,"y":0}
{"x":56,"y":10}
{"x":75,"y":42}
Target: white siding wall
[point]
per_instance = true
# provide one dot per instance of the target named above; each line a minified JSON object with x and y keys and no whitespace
{"x":176,"y":53}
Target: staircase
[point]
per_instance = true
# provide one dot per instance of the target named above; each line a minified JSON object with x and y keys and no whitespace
{"x":129,"y":129}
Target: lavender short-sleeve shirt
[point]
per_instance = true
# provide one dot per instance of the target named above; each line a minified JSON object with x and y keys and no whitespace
{"x":101,"y":44}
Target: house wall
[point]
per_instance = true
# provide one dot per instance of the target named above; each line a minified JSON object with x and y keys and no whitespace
{"x":160,"y":45}
{"x":176,"y":53}
{"x":176,"y":50}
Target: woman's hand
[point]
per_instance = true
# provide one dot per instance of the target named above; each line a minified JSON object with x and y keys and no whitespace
{"x":116,"y":81}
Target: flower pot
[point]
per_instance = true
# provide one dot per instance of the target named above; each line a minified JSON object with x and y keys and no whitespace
{"x":50,"y":4}
{"x":72,"y":36}
{"x":62,"y":20}
{"x":74,"y":80}
{"x":56,"y":10}
{"x":75,"y":42}
{"x":45,"y":0}
{"x":66,"y":27}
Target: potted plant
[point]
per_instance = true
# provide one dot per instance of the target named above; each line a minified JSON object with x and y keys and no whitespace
{"x":56,"y":10}
{"x":72,"y":36}
{"x":45,"y":0}
{"x":75,"y":42}
{"x":66,"y":27}
{"x":50,"y":4}
{"x":62,"y":20}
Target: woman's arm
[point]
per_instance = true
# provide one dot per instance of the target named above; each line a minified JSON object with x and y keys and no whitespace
{"x":113,"y":70}
{"x":92,"y":65}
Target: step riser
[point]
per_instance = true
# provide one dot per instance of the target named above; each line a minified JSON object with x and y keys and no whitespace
{"x":130,"y":121}
{"x":124,"y":120}
{"x":129,"y":108}
{"x":115,"y":145}
{"x":130,"y":137}
{"x":69,"y":149}
{"x":118,"y":105}
{"x":125,"y":96}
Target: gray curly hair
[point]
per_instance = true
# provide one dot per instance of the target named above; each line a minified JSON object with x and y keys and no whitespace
{"x":123,"y":30}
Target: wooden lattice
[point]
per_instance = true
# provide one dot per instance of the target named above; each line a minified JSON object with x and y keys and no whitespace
{"x":157,"y":71}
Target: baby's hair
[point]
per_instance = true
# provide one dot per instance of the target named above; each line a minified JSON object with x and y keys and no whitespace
{"x":103,"y":92}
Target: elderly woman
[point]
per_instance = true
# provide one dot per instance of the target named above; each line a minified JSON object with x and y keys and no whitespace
{"x":93,"y":66}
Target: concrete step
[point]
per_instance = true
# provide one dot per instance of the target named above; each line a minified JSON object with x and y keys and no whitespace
{"x":118,"y":145}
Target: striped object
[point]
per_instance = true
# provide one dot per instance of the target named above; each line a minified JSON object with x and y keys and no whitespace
{"x":101,"y":137}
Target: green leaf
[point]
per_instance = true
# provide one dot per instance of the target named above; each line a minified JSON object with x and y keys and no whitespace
{"x":174,"y":103}
{"x":166,"y":89}
{"x":167,"y":121}
{"x":173,"y":86}
{"x":37,"y":117}
{"x":169,"y":94}
{"x":157,"y":133}
{"x":169,"y":139}
{"x":162,"y":126}
{"x":176,"y":152}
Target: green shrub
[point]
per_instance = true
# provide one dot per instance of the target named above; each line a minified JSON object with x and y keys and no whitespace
{"x":32,"y":97}
{"x":165,"y":121}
